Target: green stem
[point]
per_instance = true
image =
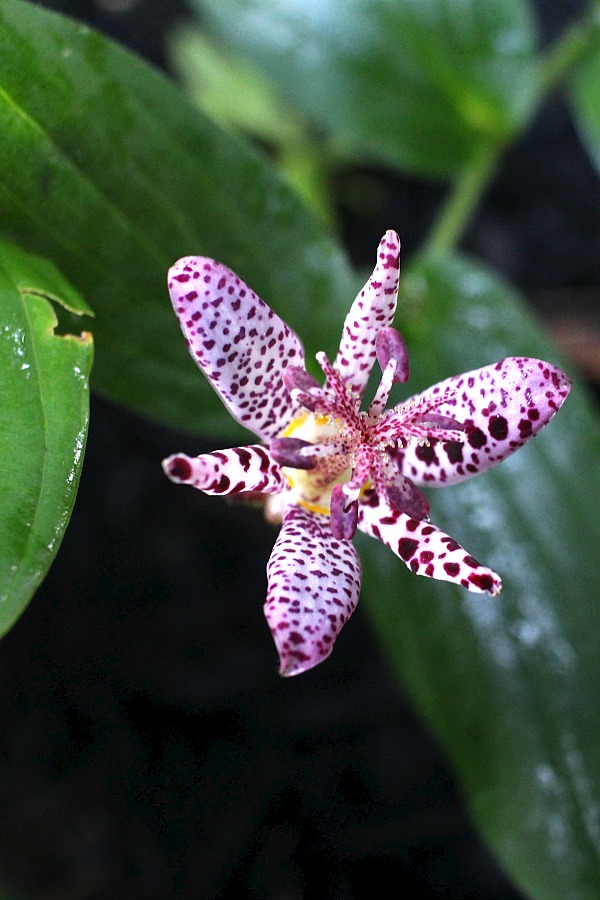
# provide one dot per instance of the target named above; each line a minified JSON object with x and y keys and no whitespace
{"x":473,"y":181}
{"x":463,"y":199}
{"x":570,"y":49}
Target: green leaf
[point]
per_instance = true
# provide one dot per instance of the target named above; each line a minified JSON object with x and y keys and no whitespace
{"x":414,"y":83}
{"x":235,"y":94}
{"x":108,"y":171}
{"x":230,"y":90}
{"x":584,"y":94}
{"x":510,"y":684}
{"x":44,"y":385}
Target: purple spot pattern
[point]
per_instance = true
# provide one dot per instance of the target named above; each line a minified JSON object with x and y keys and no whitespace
{"x":234,"y":471}
{"x":240,"y":344}
{"x":424,"y":548}
{"x":454,"y":430}
{"x":373,"y":309}
{"x":501,"y":407}
{"x":313,"y":587}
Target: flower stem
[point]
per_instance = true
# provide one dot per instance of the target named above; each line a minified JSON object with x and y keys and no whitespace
{"x":570,"y":49}
{"x":472,"y":182}
{"x":463,"y":199}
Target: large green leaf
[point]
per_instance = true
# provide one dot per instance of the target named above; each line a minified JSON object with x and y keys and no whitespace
{"x":415,"y":83}
{"x":585,"y":98}
{"x":43,"y":422}
{"x":511,"y":684}
{"x":108,"y":171}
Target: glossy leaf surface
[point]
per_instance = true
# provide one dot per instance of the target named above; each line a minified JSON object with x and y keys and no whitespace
{"x":108,"y":171}
{"x":44,"y":413}
{"x":510,"y":683}
{"x":418,"y":84}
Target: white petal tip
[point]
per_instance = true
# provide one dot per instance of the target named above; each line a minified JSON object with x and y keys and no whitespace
{"x":291,"y":666}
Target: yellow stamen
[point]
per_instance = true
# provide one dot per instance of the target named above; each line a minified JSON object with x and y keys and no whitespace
{"x":305,"y":484}
{"x":315,"y":507}
{"x":294,"y":424}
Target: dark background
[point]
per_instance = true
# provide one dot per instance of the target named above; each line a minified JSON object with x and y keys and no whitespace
{"x":149,"y":748}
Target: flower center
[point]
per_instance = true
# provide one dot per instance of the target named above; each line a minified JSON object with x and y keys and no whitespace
{"x":332,"y":453}
{"x":311,"y":488}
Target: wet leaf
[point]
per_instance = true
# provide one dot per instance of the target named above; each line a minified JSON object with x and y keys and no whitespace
{"x":43,"y":422}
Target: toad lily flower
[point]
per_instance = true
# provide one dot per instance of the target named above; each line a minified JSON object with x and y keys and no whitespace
{"x":326,"y":468}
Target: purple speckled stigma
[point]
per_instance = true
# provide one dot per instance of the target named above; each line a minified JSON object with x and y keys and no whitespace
{"x":325,"y":467}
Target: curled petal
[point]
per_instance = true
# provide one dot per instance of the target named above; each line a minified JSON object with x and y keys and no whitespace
{"x":237,"y":340}
{"x":314,"y":583}
{"x":500,"y":407}
{"x":234,"y":471}
{"x":344,"y":514}
{"x":389,"y":344}
{"x":372,"y":310}
{"x":425,"y":549}
{"x":286,"y":452}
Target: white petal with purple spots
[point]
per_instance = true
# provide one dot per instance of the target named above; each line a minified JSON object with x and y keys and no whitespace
{"x":314,"y":583}
{"x":344,"y":467}
{"x":240,"y":344}
{"x":500,"y":406}
{"x":373,"y":309}
{"x":425,"y":549}
{"x":234,"y":471}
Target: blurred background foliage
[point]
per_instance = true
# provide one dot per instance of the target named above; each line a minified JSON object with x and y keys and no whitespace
{"x":144,"y":664}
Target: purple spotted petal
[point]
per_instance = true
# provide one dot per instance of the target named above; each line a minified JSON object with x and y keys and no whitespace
{"x":500,"y":406}
{"x":314,"y":583}
{"x":237,"y":340}
{"x":425,"y":549}
{"x":234,"y":471}
{"x":372,"y":310}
